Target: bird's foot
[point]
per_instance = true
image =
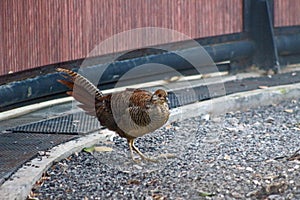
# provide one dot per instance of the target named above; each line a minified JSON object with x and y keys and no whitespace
{"x":132,"y":148}
{"x":167,"y":156}
{"x":144,"y":158}
{"x":151,"y":159}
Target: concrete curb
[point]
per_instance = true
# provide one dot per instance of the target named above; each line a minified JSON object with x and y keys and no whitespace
{"x":238,"y":101}
{"x":31,"y":108}
{"x":21,"y":182}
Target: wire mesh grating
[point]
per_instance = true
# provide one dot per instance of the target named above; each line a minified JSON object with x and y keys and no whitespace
{"x":18,"y":148}
{"x":72,"y":124}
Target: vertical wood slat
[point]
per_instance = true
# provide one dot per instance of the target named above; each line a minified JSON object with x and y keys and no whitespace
{"x":35,"y":33}
{"x":286,"y":13}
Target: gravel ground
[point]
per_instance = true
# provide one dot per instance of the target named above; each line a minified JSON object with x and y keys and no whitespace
{"x":241,"y":155}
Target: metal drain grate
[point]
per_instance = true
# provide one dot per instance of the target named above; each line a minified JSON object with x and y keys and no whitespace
{"x":73,"y":124}
{"x":18,"y":148}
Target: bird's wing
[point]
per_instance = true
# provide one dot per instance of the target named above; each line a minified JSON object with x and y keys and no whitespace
{"x":139,"y":104}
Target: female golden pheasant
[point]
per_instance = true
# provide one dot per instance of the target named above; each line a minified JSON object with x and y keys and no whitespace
{"x":131,"y":113}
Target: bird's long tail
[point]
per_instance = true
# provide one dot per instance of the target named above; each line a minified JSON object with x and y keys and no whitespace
{"x":81,"y":89}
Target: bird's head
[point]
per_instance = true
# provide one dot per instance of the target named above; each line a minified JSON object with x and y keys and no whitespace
{"x":160,"y":96}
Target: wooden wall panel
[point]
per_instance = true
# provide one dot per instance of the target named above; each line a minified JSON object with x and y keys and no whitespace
{"x":286,"y":13}
{"x":37,"y":32}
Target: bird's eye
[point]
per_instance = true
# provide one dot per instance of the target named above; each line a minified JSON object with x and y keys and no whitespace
{"x":159,"y":95}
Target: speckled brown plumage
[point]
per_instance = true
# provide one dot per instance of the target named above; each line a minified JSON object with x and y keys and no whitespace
{"x":131,"y":113}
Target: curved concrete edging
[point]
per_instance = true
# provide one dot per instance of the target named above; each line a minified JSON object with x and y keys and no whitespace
{"x":21,"y":182}
{"x":31,"y":108}
{"x":19,"y":185}
{"x":238,"y":101}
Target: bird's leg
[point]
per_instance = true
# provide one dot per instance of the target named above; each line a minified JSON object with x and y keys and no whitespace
{"x":133,"y":147}
{"x":130,"y":144}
